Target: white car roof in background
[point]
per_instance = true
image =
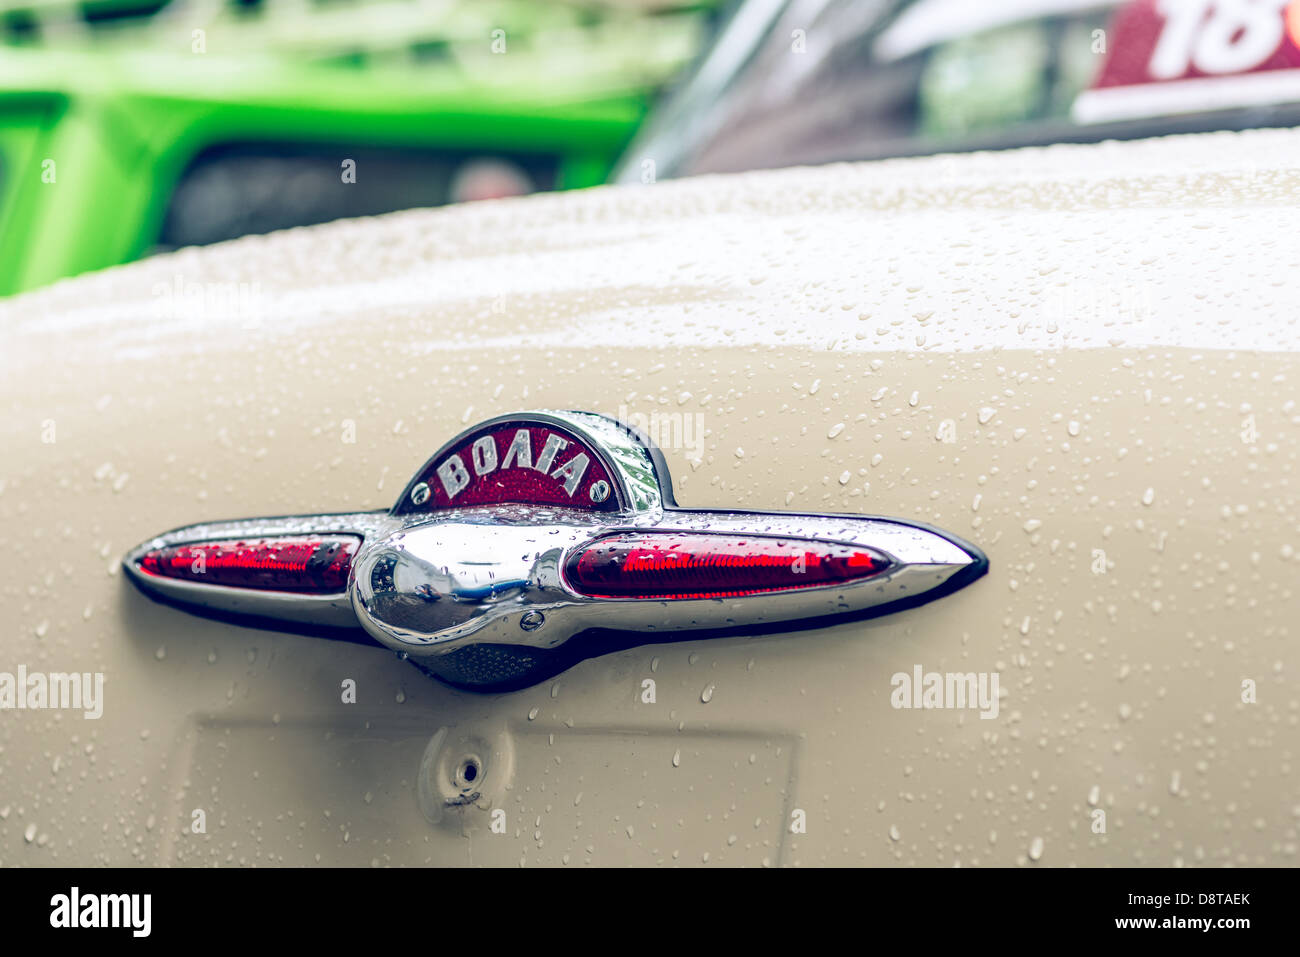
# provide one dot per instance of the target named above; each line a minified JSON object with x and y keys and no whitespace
{"x":933,"y":21}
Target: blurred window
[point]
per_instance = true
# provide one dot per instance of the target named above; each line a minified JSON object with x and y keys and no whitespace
{"x":236,"y":189}
{"x":816,"y":81}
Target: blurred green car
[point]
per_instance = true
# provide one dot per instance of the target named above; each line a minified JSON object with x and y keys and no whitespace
{"x":183,"y":127}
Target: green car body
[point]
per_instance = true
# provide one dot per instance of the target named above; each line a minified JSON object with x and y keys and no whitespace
{"x":95,"y":138}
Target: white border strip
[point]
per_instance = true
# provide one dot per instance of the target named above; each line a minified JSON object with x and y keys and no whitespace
{"x":1175,"y":97}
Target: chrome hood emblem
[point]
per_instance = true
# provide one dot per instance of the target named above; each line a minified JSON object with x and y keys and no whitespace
{"x":533,"y":540}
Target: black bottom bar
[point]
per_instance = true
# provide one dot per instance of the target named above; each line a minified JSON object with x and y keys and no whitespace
{"x":442,"y":908}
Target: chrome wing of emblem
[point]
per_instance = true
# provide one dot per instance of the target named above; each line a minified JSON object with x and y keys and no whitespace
{"x":533,"y":540}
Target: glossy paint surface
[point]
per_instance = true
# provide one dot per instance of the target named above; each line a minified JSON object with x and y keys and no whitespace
{"x":1082,"y":359}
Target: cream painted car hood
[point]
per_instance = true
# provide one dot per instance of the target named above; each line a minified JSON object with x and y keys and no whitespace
{"x":1081,"y":359}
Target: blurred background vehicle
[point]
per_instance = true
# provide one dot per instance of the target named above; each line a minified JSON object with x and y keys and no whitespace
{"x":792,"y":82}
{"x":129,"y":127}
{"x":134,"y":126}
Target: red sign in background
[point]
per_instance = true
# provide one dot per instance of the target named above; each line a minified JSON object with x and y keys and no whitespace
{"x":1160,"y":41}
